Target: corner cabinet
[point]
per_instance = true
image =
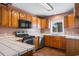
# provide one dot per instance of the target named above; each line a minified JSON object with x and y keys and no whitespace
{"x":15,"y":19}
{"x":55,"y":42}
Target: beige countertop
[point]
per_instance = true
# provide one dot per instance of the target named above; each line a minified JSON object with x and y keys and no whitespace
{"x":67,"y":36}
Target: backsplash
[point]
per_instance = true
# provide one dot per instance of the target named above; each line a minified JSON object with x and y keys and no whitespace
{"x":7,"y":30}
{"x":72,"y":31}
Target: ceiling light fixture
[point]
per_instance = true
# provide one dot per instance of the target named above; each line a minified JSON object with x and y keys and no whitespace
{"x":47,"y":6}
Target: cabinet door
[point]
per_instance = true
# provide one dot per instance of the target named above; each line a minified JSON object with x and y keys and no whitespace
{"x":71,"y":20}
{"x":36,"y":42}
{"x":65,"y":21}
{"x":47,"y":41}
{"x":15,"y":19}
{"x":60,"y":42}
{"x":5,"y":17}
{"x":0,"y":14}
{"x":77,"y":9}
{"x":44,"y":24}
{"x":70,"y":47}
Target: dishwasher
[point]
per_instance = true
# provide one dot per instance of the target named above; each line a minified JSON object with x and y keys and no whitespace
{"x":41,"y":42}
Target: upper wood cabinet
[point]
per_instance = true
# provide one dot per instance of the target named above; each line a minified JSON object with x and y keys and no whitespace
{"x":47,"y":22}
{"x":0,"y":14}
{"x":5,"y":17}
{"x":77,"y":9}
{"x":44,"y":24}
{"x":15,"y":19}
{"x":69,"y":21}
{"x":9,"y":17}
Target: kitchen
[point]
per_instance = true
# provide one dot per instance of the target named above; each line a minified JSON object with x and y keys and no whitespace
{"x":58,"y":31}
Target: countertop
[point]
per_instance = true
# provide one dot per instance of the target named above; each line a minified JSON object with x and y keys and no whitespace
{"x":65,"y":35}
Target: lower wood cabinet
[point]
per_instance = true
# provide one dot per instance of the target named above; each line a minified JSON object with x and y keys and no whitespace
{"x":72,"y":47}
{"x":36,"y":42}
{"x":56,"y":42}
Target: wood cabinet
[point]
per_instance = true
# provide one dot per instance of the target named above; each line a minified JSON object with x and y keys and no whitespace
{"x":76,"y":9}
{"x":72,"y":47}
{"x":5,"y":17}
{"x":9,"y":17}
{"x":36,"y":42}
{"x":56,"y":42}
{"x":15,"y":19}
{"x":47,"y":40}
{"x":69,"y":21}
{"x":44,"y":24}
{"x":0,"y":15}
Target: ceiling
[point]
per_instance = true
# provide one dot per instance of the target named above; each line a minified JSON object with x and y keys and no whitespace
{"x":39,"y":10}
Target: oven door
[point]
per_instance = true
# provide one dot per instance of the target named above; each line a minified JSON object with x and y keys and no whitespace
{"x":29,"y":41}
